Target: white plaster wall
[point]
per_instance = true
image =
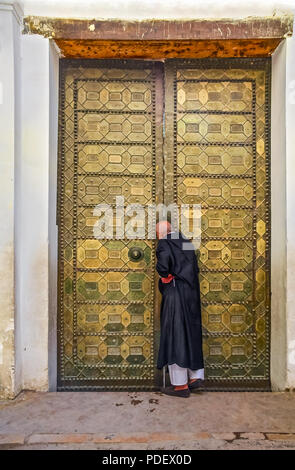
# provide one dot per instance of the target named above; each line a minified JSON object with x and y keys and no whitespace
{"x":290,"y":209}
{"x":283,"y":217}
{"x":53,"y":258}
{"x":167,"y":9}
{"x":9,"y":125}
{"x":33,"y":233}
{"x":17,"y":197}
{"x":26,"y":130}
{"x":278,"y":220}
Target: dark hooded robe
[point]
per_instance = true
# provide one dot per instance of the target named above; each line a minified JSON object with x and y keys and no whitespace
{"x":180,"y":317}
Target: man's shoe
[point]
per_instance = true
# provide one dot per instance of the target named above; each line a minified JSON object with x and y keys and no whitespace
{"x":185,"y":393}
{"x":197,"y":385}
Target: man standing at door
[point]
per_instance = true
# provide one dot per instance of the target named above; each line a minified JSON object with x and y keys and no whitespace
{"x":181,"y":329}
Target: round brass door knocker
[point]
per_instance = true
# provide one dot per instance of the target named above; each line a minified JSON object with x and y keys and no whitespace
{"x":135,"y":253}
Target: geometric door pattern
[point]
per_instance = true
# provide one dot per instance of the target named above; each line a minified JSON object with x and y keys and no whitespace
{"x":218,"y":140}
{"x":107,"y":314}
{"x":216,"y":148}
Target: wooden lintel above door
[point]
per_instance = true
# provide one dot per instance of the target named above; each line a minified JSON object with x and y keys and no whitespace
{"x":99,"y":49}
{"x":160,"y":39}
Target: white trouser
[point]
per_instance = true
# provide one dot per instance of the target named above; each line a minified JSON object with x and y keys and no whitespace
{"x":179,"y":375}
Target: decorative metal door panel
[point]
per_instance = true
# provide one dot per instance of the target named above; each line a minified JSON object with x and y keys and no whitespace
{"x":217,"y":154}
{"x":110,"y":145}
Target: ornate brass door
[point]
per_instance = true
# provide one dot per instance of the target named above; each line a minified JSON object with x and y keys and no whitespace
{"x":217,"y":135}
{"x":110,"y":145}
{"x":216,"y":153}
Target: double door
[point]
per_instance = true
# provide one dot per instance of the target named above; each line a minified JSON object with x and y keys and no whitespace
{"x":147,"y":132}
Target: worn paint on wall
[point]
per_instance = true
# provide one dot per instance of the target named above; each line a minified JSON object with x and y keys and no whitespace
{"x":290,"y":198}
{"x":278,"y":215}
{"x":9,"y":130}
{"x":6,"y":321}
{"x":33,"y":262}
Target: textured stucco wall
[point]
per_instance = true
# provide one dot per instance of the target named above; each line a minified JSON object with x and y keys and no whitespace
{"x":278,"y":219}
{"x":33,"y":261}
{"x":52,"y":229}
{"x":290,"y":209}
{"x":9,"y":106}
{"x":282,"y":214}
{"x":28,"y":139}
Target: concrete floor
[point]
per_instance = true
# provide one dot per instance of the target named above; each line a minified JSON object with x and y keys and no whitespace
{"x":148,"y":420}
